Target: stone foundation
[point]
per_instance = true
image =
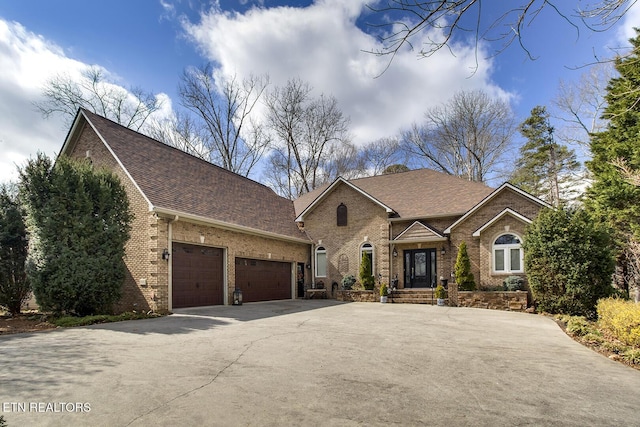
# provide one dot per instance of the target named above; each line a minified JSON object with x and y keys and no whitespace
{"x":500,"y":300}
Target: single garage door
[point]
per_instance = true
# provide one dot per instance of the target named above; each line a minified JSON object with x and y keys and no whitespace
{"x":198,"y":277}
{"x":263,"y":280}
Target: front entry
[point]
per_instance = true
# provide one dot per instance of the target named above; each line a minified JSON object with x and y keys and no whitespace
{"x":420,"y":268}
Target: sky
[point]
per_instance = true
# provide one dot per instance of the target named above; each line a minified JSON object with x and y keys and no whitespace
{"x":148,"y":44}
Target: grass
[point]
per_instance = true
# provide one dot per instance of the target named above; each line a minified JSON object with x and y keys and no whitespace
{"x":594,"y":336}
{"x":72,"y":321}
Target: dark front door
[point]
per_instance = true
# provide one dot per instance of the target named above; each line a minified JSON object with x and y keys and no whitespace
{"x":419,"y":268}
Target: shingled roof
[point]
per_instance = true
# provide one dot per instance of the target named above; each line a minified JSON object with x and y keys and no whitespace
{"x":172,"y":180}
{"x":420,"y":193}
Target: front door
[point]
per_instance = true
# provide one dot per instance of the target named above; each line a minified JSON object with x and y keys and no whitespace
{"x":420,"y":268}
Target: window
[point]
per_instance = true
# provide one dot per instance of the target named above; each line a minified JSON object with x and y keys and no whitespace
{"x":507,"y":254}
{"x":367,"y":249}
{"x":321,"y":262}
{"x":341,"y":214}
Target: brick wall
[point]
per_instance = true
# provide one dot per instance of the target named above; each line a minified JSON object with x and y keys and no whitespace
{"x":481,"y":259}
{"x":367,"y":223}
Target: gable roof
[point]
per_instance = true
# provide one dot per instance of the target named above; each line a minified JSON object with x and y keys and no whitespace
{"x":486,"y":200}
{"x":419,"y":193}
{"x":328,"y":190}
{"x":506,"y":211}
{"x":175,"y":182}
{"x":419,"y":232}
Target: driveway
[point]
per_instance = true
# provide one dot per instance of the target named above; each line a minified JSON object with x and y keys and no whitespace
{"x":315,"y":363}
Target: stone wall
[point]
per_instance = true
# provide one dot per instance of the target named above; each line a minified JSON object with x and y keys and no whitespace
{"x":500,"y":300}
{"x":358,"y":296}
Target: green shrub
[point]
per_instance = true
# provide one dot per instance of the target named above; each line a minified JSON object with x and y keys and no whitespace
{"x":384,"y":290}
{"x":463,"y":274}
{"x":632,"y":356}
{"x":366,"y":277}
{"x":72,"y":321}
{"x":569,"y":262}
{"x":513,"y":283}
{"x":348,"y":282}
{"x":579,"y":326}
{"x":621,"y":319}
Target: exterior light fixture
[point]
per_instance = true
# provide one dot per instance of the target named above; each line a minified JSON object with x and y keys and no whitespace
{"x":395,"y":253}
{"x":443,"y":251}
{"x":237,"y":297}
{"x":165,"y":254}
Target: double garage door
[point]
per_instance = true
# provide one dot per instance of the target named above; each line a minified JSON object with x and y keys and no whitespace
{"x":198,"y":277}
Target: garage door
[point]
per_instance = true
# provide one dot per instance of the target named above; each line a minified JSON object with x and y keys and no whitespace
{"x":263,"y":280}
{"x":198,"y":277}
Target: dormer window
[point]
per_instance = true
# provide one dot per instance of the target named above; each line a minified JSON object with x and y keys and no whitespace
{"x":341,"y":214}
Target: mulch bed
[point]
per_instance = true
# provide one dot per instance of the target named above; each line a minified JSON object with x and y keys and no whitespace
{"x":24,"y":323}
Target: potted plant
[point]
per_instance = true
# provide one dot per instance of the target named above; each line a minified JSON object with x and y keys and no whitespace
{"x":440,"y":294}
{"x":383,"y":292}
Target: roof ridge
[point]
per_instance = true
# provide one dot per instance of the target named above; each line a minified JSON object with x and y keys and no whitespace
{"x":181,"y":152}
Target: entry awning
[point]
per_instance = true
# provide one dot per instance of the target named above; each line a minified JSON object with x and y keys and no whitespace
{"x":418,"y":233}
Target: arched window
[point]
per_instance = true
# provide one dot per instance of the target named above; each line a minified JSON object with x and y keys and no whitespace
{"x":321,"y":262}
{"x":341,"y":214}
{"x":507,"y":254}
{"x":367,"y":249}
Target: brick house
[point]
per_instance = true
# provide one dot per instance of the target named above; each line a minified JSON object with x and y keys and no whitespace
{"x":200,"y":231}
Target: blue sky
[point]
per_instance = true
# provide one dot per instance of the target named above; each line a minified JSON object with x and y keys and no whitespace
{"x":148,"y":43}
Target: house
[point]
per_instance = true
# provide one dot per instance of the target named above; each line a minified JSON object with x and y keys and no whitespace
{"x":201,"y":231}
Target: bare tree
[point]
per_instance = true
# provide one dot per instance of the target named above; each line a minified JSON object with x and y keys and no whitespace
{"x":228,"y":134}
{"x":466,"y":137}
{"x":580,"y":106}
{"x":407,"y":19}
{"x":308,"y":131}
{"x":381,"y":154}
{"x":94,"y":92}
{"x":180,"y":131}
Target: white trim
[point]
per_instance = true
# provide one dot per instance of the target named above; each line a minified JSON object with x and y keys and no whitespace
{"x":438,"y":237}
{"x":339,"y":180}
{"x":506,"y":211}
{"x":491,"y":196}
{"x":226,"y":225}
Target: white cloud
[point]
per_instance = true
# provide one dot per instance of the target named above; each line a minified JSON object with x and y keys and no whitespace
{"x":630,"y":20}
{"x":322,"y":45}
{"x":27,"y":61}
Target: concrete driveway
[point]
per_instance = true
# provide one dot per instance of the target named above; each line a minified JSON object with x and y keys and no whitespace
{"x":315,"y":363}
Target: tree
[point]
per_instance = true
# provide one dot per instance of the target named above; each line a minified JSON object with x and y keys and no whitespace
{"x":227,"y":134}
{"x":545,"y":167}
{"x":307,"y":131}
{"x":466,"y":137}
{"x":408,"y":19}
{"x":612,"y":198}
{"x":462,"y":270}
{"x":78,"y":220}
{"x":366,"y":275}
{"x":569,"y":261}
{"x":14,"y":285}
{"x":93,"y":91}
{"x":380,"y":155}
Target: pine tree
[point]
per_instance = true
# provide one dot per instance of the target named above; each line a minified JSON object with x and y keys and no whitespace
{"x":544,"y":166}
{"x":611,"y":197}
{"x":464,"y":276}
{"x":366,"y":277}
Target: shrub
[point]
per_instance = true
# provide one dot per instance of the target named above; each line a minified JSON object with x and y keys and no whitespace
{"x":579,"y":326}
{"x":440,"y":293}
{"x":621,"y":319}
{"x":463,"y":274}
{"x":384,"y":290}
{"x":632,"y":356}
{"x":79,"y":221}
{"x":348,"y":282}
{"x":569,"y":262}
{"x":513,"y":283}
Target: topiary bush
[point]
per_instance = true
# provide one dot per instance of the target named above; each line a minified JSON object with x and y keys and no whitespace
{"x":366,"y":277}
{"x":463,"y":274}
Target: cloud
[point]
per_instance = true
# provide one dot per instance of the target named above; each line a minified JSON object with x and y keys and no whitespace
{"x":322,"y":45}
{"x":630,"y":20}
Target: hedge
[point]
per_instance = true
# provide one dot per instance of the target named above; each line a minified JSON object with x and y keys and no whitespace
{"x":621,"y":319}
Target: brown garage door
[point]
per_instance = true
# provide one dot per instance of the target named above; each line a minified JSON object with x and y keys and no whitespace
{"x":198,"y":277}
{"x":263,"y":280}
